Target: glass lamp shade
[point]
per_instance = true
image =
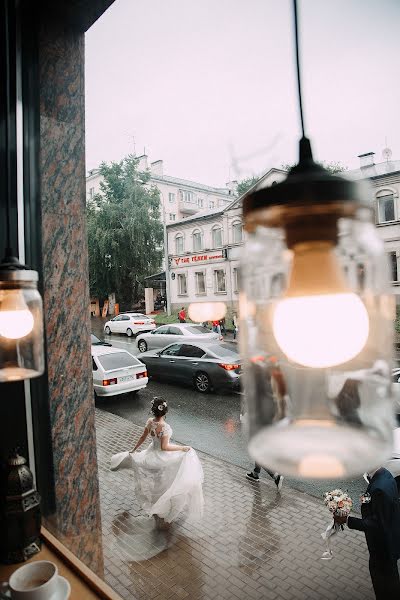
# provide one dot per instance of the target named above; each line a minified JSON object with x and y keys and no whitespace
{"x":316,"y":326}
{"x":207,"y":311}
{"x":21,"y":326}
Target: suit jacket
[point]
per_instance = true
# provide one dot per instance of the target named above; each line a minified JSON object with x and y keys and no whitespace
{"x":380,"y":518}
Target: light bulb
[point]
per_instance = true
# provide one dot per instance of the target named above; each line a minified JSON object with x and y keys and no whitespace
{"x":16,"y":320}
{"x":319,"y":323}
{"x":201,"y":312}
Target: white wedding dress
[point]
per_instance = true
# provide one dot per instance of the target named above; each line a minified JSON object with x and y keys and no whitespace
{"x":167,"y":483}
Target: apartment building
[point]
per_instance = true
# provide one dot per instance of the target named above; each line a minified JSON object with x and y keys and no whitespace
{"x":180,"y":198}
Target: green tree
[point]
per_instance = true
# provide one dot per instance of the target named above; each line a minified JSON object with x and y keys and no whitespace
{"x":125,"y":233}
{"x":246,"y":184}
{"x":333,"y":166}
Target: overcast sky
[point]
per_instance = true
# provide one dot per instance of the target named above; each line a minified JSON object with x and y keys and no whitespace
{"x":209,"y":85}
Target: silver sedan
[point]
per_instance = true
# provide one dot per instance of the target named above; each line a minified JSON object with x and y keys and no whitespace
{"x":170,"y":334}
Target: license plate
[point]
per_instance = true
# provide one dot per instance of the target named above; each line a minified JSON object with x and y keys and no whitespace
{"x":125,"y":378}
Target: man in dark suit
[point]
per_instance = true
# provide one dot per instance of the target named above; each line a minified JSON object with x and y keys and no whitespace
{"x":380,"y":521}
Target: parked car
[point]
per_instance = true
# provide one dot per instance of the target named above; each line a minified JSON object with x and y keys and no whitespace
{"x":116,"y":371}
{"x":167,"y":334}
{"x":95,"y":341}
{"x":207,"y":367}
{"x":129,"y":323}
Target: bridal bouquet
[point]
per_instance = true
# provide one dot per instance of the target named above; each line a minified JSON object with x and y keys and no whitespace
{"x":339,"y":503}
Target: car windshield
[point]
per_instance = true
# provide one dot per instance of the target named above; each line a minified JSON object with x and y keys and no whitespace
{"x":224,"y":350}
{"x":95,"y":340}
{"x":197,"y":329}
{"x":117,"y":360}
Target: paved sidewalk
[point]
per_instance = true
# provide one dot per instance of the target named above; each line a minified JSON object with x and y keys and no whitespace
{"x":252,"y":543}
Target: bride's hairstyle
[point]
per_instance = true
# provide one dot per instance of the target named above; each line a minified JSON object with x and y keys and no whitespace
{"x":159,"y":406}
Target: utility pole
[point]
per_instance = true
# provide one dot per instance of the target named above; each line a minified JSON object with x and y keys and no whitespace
{"x":166,"y":263}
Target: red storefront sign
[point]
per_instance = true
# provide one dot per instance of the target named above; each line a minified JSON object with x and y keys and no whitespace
{"x":196,"y":258}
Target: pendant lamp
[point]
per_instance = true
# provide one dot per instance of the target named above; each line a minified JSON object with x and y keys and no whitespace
{"x":21,"y":314}
{"x":317,"y":340}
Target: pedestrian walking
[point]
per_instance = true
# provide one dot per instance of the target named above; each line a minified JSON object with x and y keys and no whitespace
{"x":235,"y":326}
{"x":216,"y":327}
{"x":182,"y":315}
{"x":222,"y":326}
{"x":254,"y":475}
{"x":168,"y":478}
{"x":380,"y":522}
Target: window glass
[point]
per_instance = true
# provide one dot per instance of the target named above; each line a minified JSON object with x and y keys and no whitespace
{"x":211,"y":204}
{"x":172,"y":350}
{"x":171,"y":217}
{"x":119,"y":318}
{"x":217,"y":237}
{"x":94,"y":339}
{"x":182,"y":286}
{"x":171,"y":197}
{"x":219,"y":276}
{"x":386,"y":208}
{"x":117,"y":360}
{"x":125,"y":318}
{"x":393,"y":266}
{"x":200,"y":202}
{"x":223,"y":350}
{"x":179,"y":244}
{"x":94,"y":366}
{"x":174,"y":331}
{"x":188,"y":196}
{"x":161,"y":330}
{"x":197,"y":329}
{"x":237,"y":233}
{"x":200,"y":282}
{"x":236,"y":279}
{"x":197,"y":241}
{"x":191,"y":351}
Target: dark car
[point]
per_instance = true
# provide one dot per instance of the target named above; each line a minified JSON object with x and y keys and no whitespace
{"x":206,"y":366}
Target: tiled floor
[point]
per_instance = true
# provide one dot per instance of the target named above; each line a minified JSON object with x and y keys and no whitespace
{"x":251,"y":543}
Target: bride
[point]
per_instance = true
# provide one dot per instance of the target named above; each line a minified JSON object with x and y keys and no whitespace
{"x":168,"y":478}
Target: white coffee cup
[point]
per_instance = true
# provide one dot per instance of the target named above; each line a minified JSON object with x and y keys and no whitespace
{"x":36,"y":581}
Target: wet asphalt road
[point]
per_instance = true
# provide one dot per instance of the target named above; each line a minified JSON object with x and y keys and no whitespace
{"x":209,"y":423}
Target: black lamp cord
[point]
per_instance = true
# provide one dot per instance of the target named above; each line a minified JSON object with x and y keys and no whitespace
{"x":8,"y":250}
{"x":305,"y":146}
{"x":296,"y":34}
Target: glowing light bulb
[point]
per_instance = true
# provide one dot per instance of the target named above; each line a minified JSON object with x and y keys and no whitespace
{"x":319,"y":323}
{"x":207,"y":311}
{"x":16,"y":320}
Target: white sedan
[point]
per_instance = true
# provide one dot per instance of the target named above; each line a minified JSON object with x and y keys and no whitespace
{"x":116,"y":371}
{"x":171,"y":334}
{"x":129,"y":323}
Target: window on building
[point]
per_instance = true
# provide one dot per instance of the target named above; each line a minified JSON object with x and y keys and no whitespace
{"x":91,"y":192}
{"x":172,"y":216}
{"x":179,"y":244}
{"x":188,"y":196}
{"x":393,"y":265}
{"x":219,"y":281}
{"x":386,"y":210}
{"x":197,"y":241}
{"x":237,"y":230}
{"x":360,"y":273}
{"x":200,"y":282}
{"x":200,"y":202}
{"x":277,"y":284}
{"x":211,"y":204}
{"x":182,"y":284}
{"x":236,"y":280}
{"x":217,"y":237}
{"x":171,"y":197}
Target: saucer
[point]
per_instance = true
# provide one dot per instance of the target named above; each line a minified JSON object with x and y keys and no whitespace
{"x":64,"y":589}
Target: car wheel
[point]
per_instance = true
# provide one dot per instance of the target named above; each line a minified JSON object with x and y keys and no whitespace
{"x":108,"y":330}
{"x":142,"y":346}
{"x":202,"y":382}
{"x":129,"y":332}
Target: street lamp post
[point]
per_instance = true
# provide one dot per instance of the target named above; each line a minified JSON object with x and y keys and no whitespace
{"x":166,"y":262}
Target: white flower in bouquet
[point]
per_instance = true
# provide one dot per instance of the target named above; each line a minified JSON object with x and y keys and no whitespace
{"x":339,"y":504}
